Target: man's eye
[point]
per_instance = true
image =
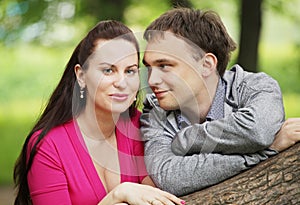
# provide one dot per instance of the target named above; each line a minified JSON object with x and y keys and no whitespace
{"x":163,"y":66}
{"x":149,"y":68}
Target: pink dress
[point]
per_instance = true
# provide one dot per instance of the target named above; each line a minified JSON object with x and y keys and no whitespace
{"x":63,"y":172}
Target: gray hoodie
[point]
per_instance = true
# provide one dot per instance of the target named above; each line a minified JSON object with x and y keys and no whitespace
{"x":184,"y":160}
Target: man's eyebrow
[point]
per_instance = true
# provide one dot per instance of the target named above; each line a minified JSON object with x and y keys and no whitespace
{"x":157,"y":61}
{"x":145,"y":63}
{"x":162,"y":60}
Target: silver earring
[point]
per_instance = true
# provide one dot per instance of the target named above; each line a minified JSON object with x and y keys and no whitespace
{"x":135,"y":99}
{"x":81,"y":93}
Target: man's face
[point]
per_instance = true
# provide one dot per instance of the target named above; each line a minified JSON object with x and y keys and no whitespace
{"x":174,"y":74}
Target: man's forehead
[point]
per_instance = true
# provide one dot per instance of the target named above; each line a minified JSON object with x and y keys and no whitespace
{"x":165,"y":40}
{"x":169,"y":44}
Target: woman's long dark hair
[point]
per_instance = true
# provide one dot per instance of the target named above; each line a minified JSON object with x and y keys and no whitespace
{"x":65,"y":101}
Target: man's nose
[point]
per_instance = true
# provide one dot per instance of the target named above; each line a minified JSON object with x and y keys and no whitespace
{"x":154,"y":77}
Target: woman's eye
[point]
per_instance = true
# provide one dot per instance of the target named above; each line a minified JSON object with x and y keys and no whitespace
{"x":131,"y":71}
{"x":107,"y":71}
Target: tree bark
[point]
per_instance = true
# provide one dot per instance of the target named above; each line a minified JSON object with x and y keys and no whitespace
{"x":274,"y":181}
{"x":251,"y":20}
{"x":181,"y":3}
{"x":103,"y":9}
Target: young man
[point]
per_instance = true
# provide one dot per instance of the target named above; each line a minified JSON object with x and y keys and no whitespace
{"x":203,"y":124}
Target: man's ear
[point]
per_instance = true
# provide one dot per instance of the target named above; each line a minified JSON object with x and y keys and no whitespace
{"x":80,"y":75}
{"x":210,"y":62}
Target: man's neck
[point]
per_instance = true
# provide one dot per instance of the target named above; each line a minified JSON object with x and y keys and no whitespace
{"x":197,"y":110}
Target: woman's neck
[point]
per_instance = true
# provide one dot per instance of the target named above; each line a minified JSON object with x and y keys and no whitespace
{"x":96,"y":124}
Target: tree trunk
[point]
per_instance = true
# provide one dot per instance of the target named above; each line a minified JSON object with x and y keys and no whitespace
{"x":181,"y":3}
{"x":274,"y":181}
{"x":103,"y":9}
{"x":251,"y":18}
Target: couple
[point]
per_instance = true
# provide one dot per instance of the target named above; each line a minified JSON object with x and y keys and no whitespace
{"x":202,"y":124}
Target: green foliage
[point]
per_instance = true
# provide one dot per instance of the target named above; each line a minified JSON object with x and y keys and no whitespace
{"x":291,"y":105}
{"x":102,"y":9}
{"x":282,"y":63}
{"x":29,"y":72}
{"x":139,"y":15}
{"x":18,"y":16}
{"x":28,"y":75}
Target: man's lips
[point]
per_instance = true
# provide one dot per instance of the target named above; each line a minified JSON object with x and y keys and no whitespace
{"x":160,"y":93}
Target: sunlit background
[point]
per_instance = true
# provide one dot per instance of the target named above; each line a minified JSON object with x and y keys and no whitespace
{"x":37,"y":38}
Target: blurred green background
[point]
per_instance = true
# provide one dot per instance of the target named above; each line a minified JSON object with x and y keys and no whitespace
{"x":37,"y":38}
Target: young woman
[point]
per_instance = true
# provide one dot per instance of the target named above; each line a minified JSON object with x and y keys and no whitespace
{"x":85,"y":147}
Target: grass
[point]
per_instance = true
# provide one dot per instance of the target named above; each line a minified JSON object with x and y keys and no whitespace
{"x":29,"y":73}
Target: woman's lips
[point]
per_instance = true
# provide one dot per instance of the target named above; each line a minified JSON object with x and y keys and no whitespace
{"x":119,"y":97}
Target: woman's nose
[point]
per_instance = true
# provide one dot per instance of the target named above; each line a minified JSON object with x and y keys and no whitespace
{"x":120,"y":81}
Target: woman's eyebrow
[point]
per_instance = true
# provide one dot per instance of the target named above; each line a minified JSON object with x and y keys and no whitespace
{"x":133,"y":65}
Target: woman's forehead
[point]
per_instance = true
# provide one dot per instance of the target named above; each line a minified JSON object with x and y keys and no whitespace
{"x":114,"y":50}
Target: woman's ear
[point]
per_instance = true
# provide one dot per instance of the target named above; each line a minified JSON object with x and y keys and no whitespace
{"x":80,"y":75}
{"x":210,"y":62}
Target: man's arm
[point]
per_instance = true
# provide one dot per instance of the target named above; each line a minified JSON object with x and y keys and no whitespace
{"x":251,"y":128}
{"x":181,"y":175}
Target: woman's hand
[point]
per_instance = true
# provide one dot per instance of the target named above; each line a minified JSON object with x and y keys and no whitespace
{"x":288,"y":135}
{"x":133,"y":193}
{"x":140,"y":194}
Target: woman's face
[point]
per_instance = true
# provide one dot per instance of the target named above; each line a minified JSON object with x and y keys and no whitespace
{"x":112,"y":77}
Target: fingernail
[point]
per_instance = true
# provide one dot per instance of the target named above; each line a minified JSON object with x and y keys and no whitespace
{"x":182,"y":202}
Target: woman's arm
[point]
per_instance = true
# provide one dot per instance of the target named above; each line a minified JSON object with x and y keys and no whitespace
{"x":47,"y":181}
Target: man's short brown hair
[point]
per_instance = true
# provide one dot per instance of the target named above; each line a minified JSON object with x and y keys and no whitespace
{"x":203,"y":28}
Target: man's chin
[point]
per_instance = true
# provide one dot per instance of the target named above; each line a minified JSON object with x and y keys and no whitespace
{"x":166,"y":106}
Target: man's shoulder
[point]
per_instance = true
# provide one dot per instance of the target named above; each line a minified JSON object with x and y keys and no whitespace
{"x":237,"y":77}
{"x":151,"y":105}
{"x":151,"y":101}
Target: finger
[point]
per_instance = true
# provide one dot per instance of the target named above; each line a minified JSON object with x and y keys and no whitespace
{"x":170,"y":199}
{"x":293,"y":120}
{"x":157,"y":202}
{"x":164,"y":201}
{"x":296,"y":136}
{"x":293,"y":124}
{"x":167,"y":198}
{"x":293,"y":130}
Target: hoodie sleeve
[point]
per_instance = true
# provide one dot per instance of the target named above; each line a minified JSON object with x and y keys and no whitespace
{"x":182,"y":175}
{"x":250,"y":126}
